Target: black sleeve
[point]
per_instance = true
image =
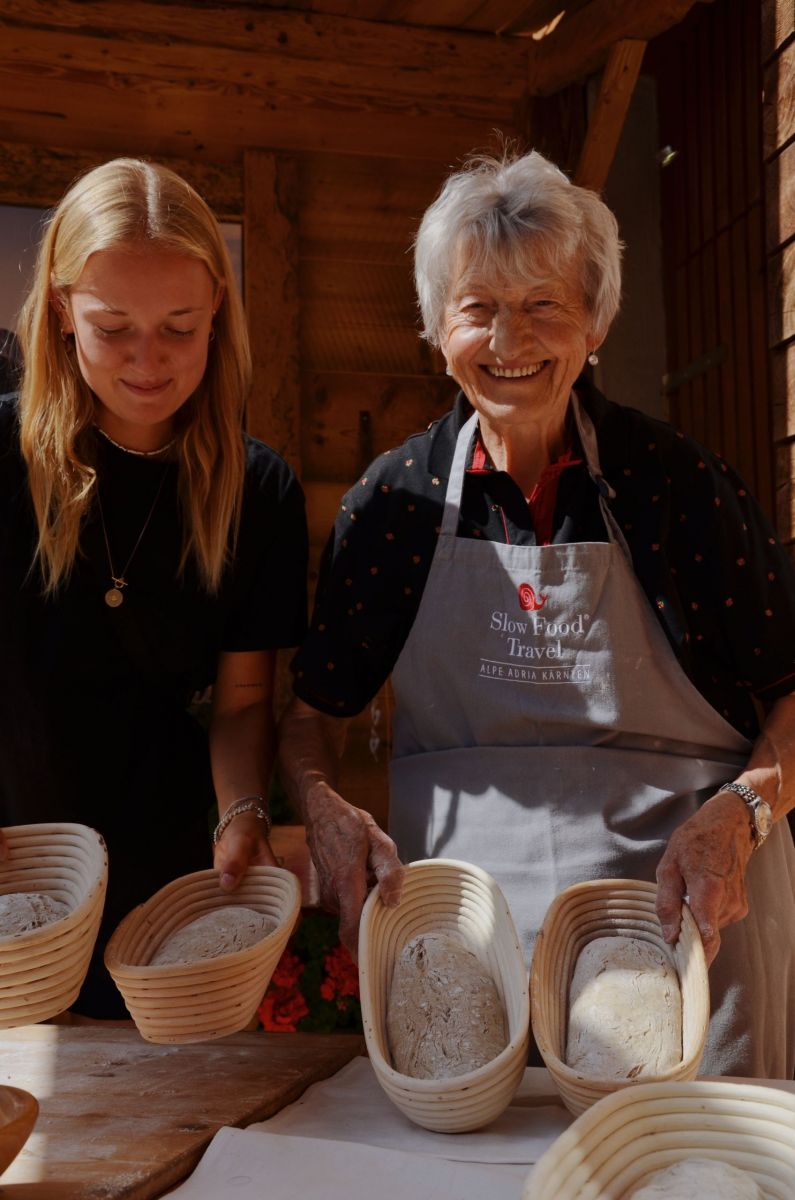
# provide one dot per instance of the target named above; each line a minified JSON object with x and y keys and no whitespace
{"x":267,"y":601}
{"x":373,"y":572}
{"x":733,"y":575}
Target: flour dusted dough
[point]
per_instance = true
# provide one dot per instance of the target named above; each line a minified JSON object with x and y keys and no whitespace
{"x":625,"y":1011}
{"x":444,"y":1015}
{"x":222,"y":931}
{"x":21,"y":912}
{"x":699,"y":1179}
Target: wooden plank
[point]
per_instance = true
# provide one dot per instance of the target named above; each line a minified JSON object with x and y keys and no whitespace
{"x":782,"y":387}
{"x":785,"y":492}
{"x":322,"y":504}
{"x":556,"y":126}
{"x":122,"y":1118}
{"x":211,"y":81}
{"x":780,"y":199}
{"x":781,"y":295}
{"x":270,"y":253}
{"x":349,"y":419}
{"x":728,"y":391}
{"x":579,"y":44}
{"x":201,"y":122}
{"x":361,"y":317}
{"x":364,"y":209}
{"x":779,"y":101}
{"x":607,"y":119}
{"x":38,"y":176}
{"x":778,"y":24}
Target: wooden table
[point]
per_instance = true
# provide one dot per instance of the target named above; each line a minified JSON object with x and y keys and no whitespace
{"x":122,"y":1119}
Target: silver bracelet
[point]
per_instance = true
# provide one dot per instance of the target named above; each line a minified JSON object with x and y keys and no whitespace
{"x":244,"y":804}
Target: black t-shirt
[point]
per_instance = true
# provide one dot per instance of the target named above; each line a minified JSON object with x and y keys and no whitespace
{"x":93,"y":719}
{"x":718,"y":581}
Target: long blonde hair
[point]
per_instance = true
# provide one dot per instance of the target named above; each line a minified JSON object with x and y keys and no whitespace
{"x":129,"y":201}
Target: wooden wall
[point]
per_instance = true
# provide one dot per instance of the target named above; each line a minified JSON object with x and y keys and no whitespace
{"x":709,"y":81}
{"x":778,"y":64}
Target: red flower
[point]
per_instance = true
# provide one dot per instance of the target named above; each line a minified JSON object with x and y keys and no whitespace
{"x":282,"y":1009}
{"x":289,"y":970}
{"x":342,"y":976}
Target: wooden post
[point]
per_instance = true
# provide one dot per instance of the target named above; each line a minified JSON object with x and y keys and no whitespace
{"x":270,"y":274}
{"x":607,"y":119}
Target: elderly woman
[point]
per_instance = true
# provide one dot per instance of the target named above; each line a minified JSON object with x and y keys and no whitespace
{"x":140,"y":536}
{"x":579,"y":607}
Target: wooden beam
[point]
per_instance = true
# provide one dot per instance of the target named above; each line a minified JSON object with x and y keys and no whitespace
{"x":38,"y":176}
{"x":209,"y":81}
{"x":580,"y":44}
{"x":270,"y":276}
{"x":607,"y":119}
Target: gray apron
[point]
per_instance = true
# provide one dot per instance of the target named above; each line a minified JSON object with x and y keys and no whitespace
{"x":545,"y":731}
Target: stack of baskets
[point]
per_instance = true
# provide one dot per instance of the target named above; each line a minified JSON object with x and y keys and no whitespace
{"x":198,"y":1001}
{"x":612,"y":1149}
{"x":442,"y":895}
{"x":41,"y":972}
{"x":603,"y":908}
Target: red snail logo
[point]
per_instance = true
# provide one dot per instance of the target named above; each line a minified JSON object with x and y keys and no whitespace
{"x":528,"y":600}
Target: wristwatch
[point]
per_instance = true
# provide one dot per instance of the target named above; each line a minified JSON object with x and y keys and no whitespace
{"x":761,"y":812}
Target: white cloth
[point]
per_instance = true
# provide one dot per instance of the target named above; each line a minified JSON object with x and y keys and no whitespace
{"x":344,"y":1140}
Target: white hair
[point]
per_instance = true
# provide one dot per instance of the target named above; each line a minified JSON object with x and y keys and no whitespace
{"x":517,"y":218}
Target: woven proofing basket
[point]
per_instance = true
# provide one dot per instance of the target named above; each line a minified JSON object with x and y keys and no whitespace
{"x":442,"y":895}
{"x":602,"y":908}
{"x":195,"y":1002}
{"x":611,"y":1149}
{"x":41,"y":972}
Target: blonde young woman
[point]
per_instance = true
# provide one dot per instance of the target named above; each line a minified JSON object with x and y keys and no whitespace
{"x":148,"y":548}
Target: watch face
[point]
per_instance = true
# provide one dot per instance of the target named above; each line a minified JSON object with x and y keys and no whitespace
{"x":763,"y":819}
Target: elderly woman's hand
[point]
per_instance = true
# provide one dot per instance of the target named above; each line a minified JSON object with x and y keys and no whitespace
{"x":705,"y":860}
{"x":242,"y":845}
{"x":349,"y":851}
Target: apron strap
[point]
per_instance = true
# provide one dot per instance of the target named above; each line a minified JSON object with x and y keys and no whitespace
{"x":455,"y":486}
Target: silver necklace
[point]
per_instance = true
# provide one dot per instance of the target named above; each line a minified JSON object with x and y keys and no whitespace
{"x":113,"y":596}
{"x":138,"y":453}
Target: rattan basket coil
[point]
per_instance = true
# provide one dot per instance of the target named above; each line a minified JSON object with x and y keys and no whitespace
{"x":443,"y":895}
{"x":602,"y":908}
{"x":611,"y":1150}
{"x":42,"y":971}
{"x":195,"y":1002}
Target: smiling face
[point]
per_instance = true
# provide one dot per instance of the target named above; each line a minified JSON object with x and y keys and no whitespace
{"x":516,"y":347}
{"x":141,"y":319}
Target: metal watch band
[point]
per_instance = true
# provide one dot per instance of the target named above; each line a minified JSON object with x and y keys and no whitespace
{"x":748,"y":794}
{"x":757,"y":806}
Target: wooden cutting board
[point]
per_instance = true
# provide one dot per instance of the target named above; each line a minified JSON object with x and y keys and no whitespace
{"x":122,"y":1119}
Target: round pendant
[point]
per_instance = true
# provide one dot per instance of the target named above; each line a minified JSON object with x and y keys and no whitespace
{"x":113,"y":597}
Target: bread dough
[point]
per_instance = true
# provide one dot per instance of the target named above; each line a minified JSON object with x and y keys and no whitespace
{"x":704,"y":1178}
{"x":444,"y":1015}
{"x":221,"y":931}
{"x":21,"y":912}
{"x":625,"y":1011}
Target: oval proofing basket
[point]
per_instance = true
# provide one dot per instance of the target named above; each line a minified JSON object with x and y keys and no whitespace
{"x":446,"y":896}
{"x":603,"y":908}
{"x":18,"y":1113}
{"x":610,"y":1151}
{"x":198,"y":1001}
{"x":42,"y":971}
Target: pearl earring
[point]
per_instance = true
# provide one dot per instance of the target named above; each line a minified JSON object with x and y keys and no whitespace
{"x":593,"y":358}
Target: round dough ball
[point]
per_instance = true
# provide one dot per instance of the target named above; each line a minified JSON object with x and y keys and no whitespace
{"x":21,"y":912}
{"x":222,"y":931}
{"x":444,"y":1015}
{"x":625,"y":1011}
{"x":704,"y":1178}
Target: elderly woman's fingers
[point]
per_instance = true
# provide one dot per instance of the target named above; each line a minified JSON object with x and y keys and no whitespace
{"x":670,"y":894}
{"x":385,"y":865}
{"x":351,"y":903}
